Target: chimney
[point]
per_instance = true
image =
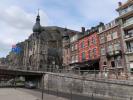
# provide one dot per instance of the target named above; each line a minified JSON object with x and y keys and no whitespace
{"x":92,"y":29}
{"x":120,"y":4}
{"x":83,"y":29}
{"x":101,"y":24}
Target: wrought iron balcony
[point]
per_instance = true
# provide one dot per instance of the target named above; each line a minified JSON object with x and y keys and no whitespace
{"x":127,"y":10}
{"x":114,"y":53}
{"x":129,"y":51}
{"x":128,"y":37}
{"x":128,"y":24}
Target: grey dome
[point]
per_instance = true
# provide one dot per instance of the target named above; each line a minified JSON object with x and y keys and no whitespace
{"x":37,"y":26}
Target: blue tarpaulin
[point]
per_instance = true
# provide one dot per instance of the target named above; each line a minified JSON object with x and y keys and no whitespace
{"x":16,"y":49}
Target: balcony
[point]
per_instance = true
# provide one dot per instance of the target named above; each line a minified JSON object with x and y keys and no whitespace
{"x":113,"y":53}
{"x":128,"y":24}
{"x":126,"y":12}
{"x":110,"y":53}
{"x":129,"y":51}
{"x":117,"y":52}
{"x":128,"y":37}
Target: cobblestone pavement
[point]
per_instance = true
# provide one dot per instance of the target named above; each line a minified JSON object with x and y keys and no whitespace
{"x":24,"y":94}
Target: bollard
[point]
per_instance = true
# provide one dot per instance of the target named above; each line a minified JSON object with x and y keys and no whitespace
{"x":131,"y":98}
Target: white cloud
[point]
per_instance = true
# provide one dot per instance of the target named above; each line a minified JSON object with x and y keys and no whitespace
{"x":4,"y":48}
{"x":16,"y":25}
{"x":75,"y":14}
{"x":98,"y":10}
{"x":17,"y":17}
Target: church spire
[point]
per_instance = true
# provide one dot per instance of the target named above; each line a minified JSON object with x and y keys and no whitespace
{"x":38,"y":17}
{"x":37,"y":26}
{"x":38,"y":12}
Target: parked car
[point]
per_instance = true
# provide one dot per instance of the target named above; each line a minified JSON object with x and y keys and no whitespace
{"x":30,"y":84}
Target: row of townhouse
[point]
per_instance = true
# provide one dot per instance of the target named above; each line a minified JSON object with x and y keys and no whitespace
{"x":103,"y":47}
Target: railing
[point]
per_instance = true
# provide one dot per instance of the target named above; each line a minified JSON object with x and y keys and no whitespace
{"x":129,"y":51}
{"x":129,"y":9}
{"x":128,"y":23}
{"x":128,"y":36}
{"x":95,"y":74}
{"x":91,"y":74}
{"x":110,"y":74}
{"x":113,"y":53}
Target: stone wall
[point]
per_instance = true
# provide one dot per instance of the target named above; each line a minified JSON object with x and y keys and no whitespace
{"x":80,"y":85}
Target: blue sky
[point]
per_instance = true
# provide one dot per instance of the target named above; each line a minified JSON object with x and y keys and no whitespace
{"x":18,"y":16}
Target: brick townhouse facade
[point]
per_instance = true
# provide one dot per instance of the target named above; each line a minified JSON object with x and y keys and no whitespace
{"x":89,"y":50}
{"x":74,"y":50}
{"x":111,"y":47}
{"x":69,"y":48}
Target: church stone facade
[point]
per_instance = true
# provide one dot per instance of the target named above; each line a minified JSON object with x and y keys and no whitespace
{"x":42,"y":50}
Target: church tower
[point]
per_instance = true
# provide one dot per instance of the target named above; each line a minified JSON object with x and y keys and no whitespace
{"x":37,"y":26}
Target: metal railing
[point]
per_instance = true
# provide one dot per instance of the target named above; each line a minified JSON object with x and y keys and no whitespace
{"x":95,"y":74}
{"x":114,"y":74}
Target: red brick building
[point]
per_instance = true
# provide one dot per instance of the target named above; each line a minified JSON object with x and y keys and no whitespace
{"x":89,"y":50}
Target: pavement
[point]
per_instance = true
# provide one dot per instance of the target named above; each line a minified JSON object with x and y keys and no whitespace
{"x":25,"y":94}
{"x":35,"y":94}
